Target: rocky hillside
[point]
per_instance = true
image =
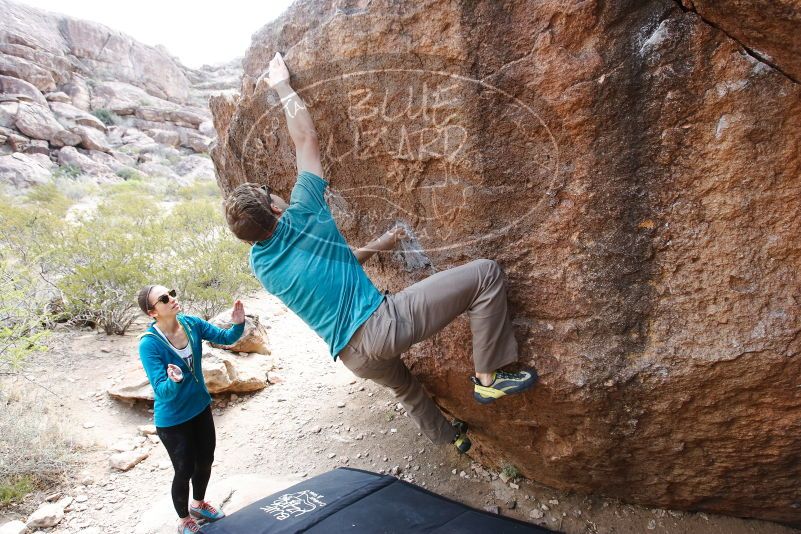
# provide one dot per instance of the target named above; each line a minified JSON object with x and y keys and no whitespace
{"x":78,"y":95}
{"x":633,"y":166}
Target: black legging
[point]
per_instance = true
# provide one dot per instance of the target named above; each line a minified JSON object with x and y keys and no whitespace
{"x":191,"y":449}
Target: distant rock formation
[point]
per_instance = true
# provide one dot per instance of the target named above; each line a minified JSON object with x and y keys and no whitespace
{"x":77,"y":93}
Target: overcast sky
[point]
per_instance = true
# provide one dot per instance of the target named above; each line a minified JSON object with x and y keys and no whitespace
{"x":196,"y":36}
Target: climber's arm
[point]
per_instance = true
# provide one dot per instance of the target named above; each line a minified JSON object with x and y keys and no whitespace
{"x":298,"y":119}
{"x":385,"y":242}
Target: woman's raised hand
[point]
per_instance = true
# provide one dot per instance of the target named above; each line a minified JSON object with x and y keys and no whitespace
{"x":238,"y":315}
{"x":174,"y":373}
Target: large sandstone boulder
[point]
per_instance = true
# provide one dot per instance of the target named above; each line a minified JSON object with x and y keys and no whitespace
{"x":633,"y":168}
{"x":22,"y":90}
{"x":70,"y":116}
{"x":38,"y":44}
{"x":37,"y":122}
{"x":223,"y":371}
{"x":24,"y":170}
{"x":70,"y":156}
{"x":253,"y":339}
{"x":226,"y":372}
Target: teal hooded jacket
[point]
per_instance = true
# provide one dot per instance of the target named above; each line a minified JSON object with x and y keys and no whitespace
{"x":178,"y":402}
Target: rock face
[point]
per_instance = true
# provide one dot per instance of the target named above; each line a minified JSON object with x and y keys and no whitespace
{"x":633,"y":168}
{"x":73,"y":83}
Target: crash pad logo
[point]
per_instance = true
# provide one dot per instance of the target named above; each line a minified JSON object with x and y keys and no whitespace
{"x":291,"y":505}
{"x":454,"y":159}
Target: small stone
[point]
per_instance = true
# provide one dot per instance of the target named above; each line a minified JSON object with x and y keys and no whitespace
{"x":340,"y":404}
{"x":462,"y":474}
{"x":88,"y":425}
{"x":513,"y":485}
{"x":453,"y":471}
{"x":553,"y":502}
{"x":316,"y":429}
{"x":124,"y":461}
{"x":493,"y":509}
{"x":504,"y":477}
{"x":511,"y":504}
{"x":46,"y":516}
{"x":393,"y":430}
{"x":544,"y":507}
{"x":53,"y":497}
{"x":13,"y":527}
{"x":147,"y":430}
{"x":331,"y":455}
{"x":395,"y":471}
{"x":536,"y":514}
{"x":651,"y":524}
{"x":81,"y":498}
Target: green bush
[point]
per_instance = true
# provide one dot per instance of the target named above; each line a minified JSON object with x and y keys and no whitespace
{"x":22,"y":316}
{"x":511,"y":472}
{"x":200,"y":189}
{"x":219,"y":267}
{"x":129,"y":174}
{"x":106,"y":116}
{"x":67,"y":171}
{"x":14,"y":490}
{"x":96,"y":263}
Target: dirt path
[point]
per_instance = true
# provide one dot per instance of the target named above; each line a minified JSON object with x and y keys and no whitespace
{"x":316,"y":418}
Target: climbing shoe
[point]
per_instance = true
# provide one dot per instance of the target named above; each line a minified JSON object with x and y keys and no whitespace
{"x":461,"y":441}
{"x":206,"y":511}
{"x":503,"y":384}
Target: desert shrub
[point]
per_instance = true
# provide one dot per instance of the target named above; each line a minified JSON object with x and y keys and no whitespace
{"x":97,"y":261}
{"x":106,"y":116}
{"x":219,"y":268}
{"x":67,"y":171}
{"x":510,"y":471}
{"x":200,"y":189}
{"x":35,"y":453}
{"x":22,"y":317}
{"x":105,"y":258}
{"x":129,"y":174}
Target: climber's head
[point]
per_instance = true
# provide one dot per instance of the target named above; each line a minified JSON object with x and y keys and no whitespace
{"x":252,"y":211}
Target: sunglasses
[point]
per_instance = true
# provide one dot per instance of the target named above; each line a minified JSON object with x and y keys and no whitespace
{"x":165,"y":298}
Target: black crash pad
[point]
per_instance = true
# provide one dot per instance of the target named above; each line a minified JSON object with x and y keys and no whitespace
{"x":356,"y":501}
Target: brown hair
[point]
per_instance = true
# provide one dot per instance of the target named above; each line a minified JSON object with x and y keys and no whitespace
{"x":247,"y":211}
{"x":144,"y":299}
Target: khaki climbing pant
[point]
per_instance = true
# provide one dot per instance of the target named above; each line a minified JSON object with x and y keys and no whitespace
{"x":419,"y":311}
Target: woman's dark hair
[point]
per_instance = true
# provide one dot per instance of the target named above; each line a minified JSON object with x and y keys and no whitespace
{"x":144,"y":299}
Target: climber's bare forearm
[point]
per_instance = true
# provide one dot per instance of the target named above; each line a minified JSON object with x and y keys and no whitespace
{"x":301,"y":129}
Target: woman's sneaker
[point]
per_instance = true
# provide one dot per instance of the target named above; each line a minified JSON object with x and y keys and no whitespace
{"x":503,"y":384}
{"x":206,"y":511}
{"x":461,"y":441}
{"x":188,"y":526}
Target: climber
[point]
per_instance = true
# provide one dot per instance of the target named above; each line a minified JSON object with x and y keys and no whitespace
{"x":300,"y":256}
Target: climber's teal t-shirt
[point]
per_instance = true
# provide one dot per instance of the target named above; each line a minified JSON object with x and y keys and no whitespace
{"x":308,"y":265}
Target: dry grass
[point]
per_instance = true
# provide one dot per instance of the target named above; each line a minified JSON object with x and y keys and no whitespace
{"x":35,"y":452}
